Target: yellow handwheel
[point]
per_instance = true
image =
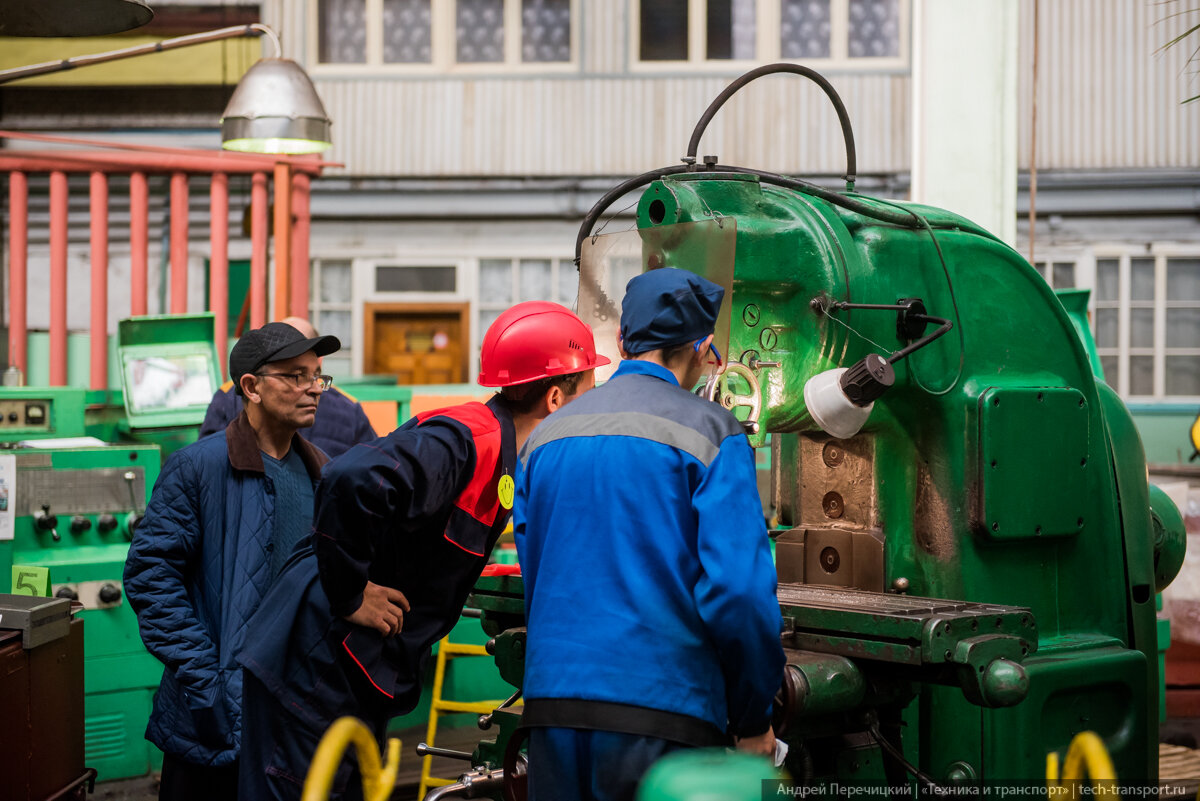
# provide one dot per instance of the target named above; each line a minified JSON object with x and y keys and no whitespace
{"x":1086,"y":756}
{"x":377,"y":780}
{"x":1195,"y":438}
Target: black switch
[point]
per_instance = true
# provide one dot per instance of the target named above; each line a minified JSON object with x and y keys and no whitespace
{"x":110,"y":594}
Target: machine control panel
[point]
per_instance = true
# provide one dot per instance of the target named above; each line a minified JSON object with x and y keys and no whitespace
{"x":25,"y":414}
{"x":92,"y":594}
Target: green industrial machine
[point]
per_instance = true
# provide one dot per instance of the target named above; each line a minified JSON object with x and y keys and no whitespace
{"x":69,"y":504}
{"x":73,"y":506}
{"x":968,"y":548}
{"x":169,"y":372}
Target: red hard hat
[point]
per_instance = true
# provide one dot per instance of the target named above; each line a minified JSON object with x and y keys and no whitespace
{"x":536,"y":339}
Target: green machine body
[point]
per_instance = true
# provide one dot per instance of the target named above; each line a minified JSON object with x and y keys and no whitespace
{"x":967,"y":545}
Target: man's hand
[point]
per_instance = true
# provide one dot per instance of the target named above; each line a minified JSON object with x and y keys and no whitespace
{"x":382,"y":609}
{"x":759,"y":744}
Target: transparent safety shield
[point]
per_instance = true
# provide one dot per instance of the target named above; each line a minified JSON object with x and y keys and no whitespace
{"x":608,"y":262}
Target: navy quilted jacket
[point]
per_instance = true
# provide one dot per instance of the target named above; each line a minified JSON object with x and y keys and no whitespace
{"x":198,"y":567}
{"x":340,"y":423}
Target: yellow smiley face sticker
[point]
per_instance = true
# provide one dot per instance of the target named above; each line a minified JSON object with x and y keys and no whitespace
{"x":505,"y":490}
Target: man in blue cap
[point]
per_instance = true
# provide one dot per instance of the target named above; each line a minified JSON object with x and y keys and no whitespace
{"x":649,"y":587}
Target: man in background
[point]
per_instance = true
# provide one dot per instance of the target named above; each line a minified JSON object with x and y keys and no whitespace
{"x":340,"y":425}
{"x":225,"y":514}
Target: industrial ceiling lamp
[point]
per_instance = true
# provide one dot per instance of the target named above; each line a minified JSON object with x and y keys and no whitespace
{"x":275,"y":109}
{"x":71,"y":17}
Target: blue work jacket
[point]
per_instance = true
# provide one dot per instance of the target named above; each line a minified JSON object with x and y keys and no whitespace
{"x":198,"y":566}
{"x":648,"y":572}
{"x":340,"y":423}
{"x":417,"y":510}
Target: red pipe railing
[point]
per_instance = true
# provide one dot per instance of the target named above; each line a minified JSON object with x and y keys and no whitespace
{"x":291,"y":269}
{"x":18,"y":241}
{"x":301,"y":188}
{"x":258,"y":250}
{"x":98,"y":190}
{"x":218,"y":265}
{"x":139,"y":243}
{"x":179,"y":242}
{"x":58,"y":278}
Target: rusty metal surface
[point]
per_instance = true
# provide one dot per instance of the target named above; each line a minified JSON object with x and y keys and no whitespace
{"x":880,"y":603}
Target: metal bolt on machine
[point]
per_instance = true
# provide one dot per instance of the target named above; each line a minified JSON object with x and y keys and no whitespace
{"x":967,"y":545}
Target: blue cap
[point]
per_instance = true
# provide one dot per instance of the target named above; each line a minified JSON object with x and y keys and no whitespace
{"x":668,"y":307}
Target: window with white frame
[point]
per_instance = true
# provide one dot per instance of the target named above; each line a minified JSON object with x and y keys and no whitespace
{"x":444,"y":34}
{"x":1146,"y":322}
{"x":330,"y":310}
{"x":503,"y":282}
{"x":848,"y":33}
{"x":1059,"y":274}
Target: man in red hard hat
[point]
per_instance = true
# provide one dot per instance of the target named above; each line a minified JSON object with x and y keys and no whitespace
{"x":402,"y":528}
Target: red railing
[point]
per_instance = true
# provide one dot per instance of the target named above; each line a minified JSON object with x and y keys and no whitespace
{"x":291,"y":177}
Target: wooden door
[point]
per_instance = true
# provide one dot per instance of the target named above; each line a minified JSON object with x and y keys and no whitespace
{"x":419,"y":343}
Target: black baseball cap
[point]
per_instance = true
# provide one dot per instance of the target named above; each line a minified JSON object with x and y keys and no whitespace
{"x":274,"y":342}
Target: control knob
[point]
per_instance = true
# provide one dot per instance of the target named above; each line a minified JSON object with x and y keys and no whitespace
{"x":44,"y":521}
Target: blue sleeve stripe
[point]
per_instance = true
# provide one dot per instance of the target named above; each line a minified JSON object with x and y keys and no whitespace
{"x":627,"y":424}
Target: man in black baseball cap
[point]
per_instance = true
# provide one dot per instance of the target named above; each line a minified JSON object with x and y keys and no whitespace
{"x":222,"y":520}
{"x":340,"y":423}
{"x":274,"y":342}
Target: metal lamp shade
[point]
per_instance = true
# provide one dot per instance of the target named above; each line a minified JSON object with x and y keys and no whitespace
{"x":71,"y":17}
{"x":275,"y":109}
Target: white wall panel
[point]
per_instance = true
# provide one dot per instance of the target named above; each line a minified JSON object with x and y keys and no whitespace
{"x":1107,"y":97}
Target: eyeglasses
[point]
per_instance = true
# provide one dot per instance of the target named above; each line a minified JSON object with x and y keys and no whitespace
{"x":712,"y":348}
{"x":302,"y":381}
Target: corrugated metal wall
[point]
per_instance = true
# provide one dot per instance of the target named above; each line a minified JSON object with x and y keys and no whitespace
{"x":1106,"y":97}
{"x":600,"y":119}
{"x":1106,"y":100}
{"x":583,"y":126}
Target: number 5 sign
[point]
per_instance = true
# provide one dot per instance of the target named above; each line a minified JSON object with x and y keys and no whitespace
{"x":29,"y":580}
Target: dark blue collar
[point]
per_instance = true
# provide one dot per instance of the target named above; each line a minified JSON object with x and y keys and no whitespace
{"x":641,"y":367}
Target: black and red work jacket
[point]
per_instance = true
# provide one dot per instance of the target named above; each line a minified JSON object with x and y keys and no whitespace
{"x":418,"y":510}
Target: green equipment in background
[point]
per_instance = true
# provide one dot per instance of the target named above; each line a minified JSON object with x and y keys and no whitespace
{"x":968,"y":547}
{"x":69,"y":508}
{"x":169,"y":372}
{"x":28,"y":413}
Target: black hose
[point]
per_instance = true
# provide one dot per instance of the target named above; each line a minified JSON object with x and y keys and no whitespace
{"x":769,"y":69}
{"x":906,"y":219}
{"x":926,"y":781}
{"x":585,"y":228}
{"x":946,"y":325}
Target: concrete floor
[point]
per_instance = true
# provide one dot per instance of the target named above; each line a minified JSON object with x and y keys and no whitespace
{"x":145,"y":788}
